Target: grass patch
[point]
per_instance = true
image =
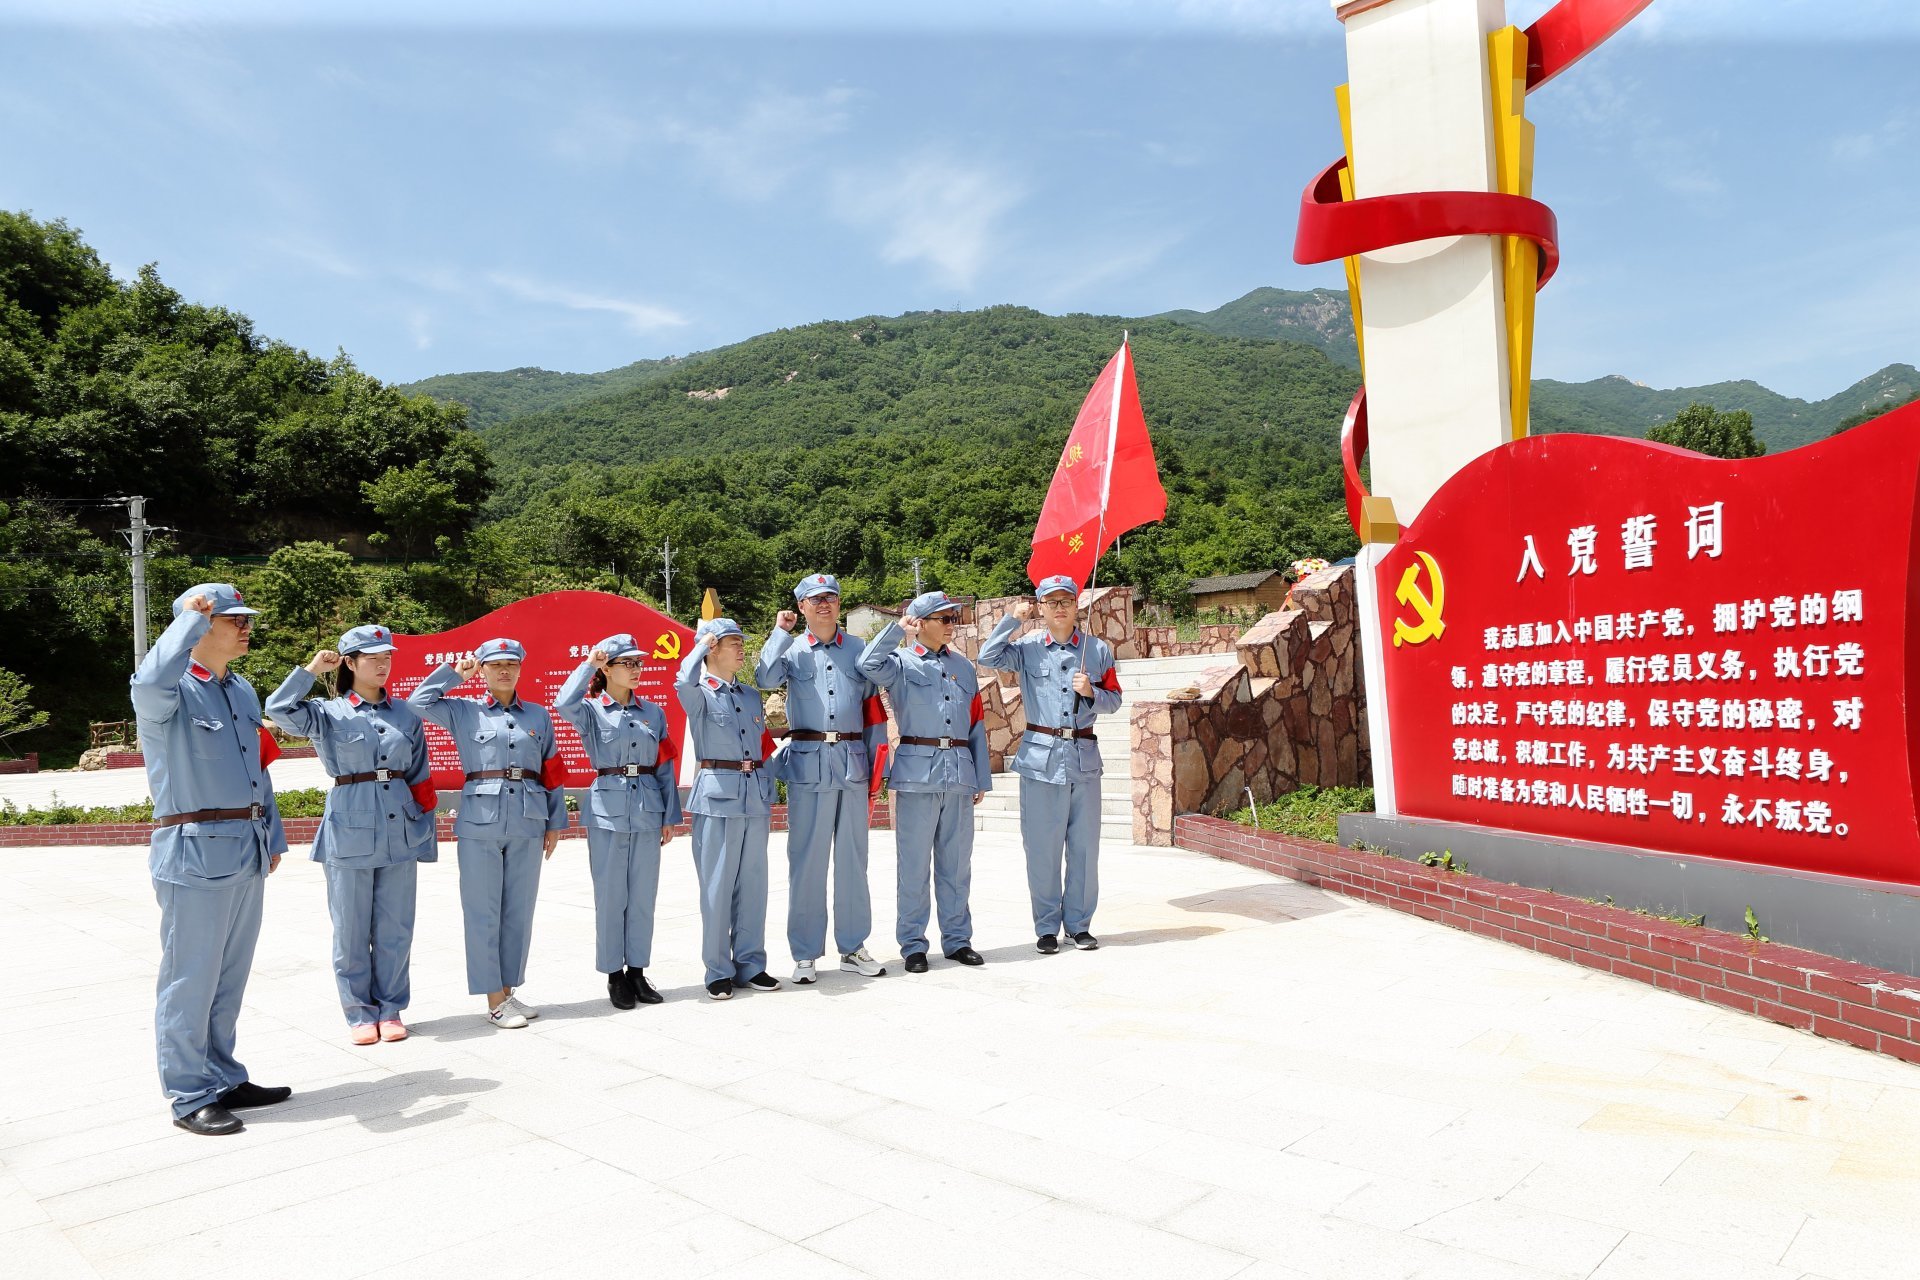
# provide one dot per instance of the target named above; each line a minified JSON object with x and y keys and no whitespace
{"x":1312,"y":812}
{"x":307,"y":802}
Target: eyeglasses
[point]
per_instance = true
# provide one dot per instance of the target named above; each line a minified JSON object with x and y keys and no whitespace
{"x":626,"y":664}
{"x":822,"y":599}
{"x":950,"y":619}
{"x":243,"y":621}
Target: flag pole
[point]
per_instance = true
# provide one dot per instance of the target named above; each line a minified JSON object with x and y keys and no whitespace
{"x":1106,"y":480}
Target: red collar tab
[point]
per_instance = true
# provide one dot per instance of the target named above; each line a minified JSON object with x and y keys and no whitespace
{"x":1071,"y":640}
{"x":919,"y":650}
{"x":199,"y":672}
{"x":606,"y":699}
{"x":838,"y":636}
{"x":493,"y":702}
{"x":713,"y":682}
{"x":354,"y":699}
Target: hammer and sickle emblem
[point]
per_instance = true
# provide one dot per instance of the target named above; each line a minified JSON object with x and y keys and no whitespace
{"x":1428,"y":606}
{"x":667,"y":646}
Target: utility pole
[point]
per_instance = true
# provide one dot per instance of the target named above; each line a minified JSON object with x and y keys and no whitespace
{"x":916,"y":575}
{"x":136,"y":531}
{"x":666,"y":571}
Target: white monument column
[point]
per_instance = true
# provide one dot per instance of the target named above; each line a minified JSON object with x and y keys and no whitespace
{"x":1433,"y":314}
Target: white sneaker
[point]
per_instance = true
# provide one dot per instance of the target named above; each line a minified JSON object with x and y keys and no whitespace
{"x":527,"y":1011}
{"x":862,"y":963}
{"x":803,"y":972}
{"x":504,"y":1016}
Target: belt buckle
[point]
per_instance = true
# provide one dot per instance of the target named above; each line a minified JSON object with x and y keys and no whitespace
{"x":947,"y":744}
{"x":255,"y":812}
{"x":630,"y":770}
{"x":515,"y":773}
{"x":383,"y":775}
{"x":748,"y":766}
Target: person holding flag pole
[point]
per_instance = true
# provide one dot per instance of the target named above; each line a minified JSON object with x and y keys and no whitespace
{"x":1066,"y":679}
{"x":1105,"y":484}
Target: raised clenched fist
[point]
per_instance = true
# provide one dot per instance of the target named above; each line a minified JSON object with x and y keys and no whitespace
{"x":911,"y":626}
{"x":200,"y":604}
{"x":599,"y":659}
{"x":324,"y":661}
{"x":785,"y":619}
{"x":467,"y":666}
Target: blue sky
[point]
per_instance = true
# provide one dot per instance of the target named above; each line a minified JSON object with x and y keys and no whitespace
{"x":488,"y":185}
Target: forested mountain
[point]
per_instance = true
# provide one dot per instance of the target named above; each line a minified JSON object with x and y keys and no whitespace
{"x":1320,"y":318}
{"x":1613,"y":406}
{"x":857,"y":446}
{"x":492,"y":398}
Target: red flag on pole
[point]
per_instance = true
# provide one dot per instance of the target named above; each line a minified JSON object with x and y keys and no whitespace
{"x":1107,"y":481}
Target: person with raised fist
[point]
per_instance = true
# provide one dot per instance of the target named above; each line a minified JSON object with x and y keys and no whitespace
{"x":378,"y":825}
{"x":216,"y":838}
{"x":629,"y":813}
{"x":513,"y":807}
{"x":835,"y":723}
{"x":938,"y":773}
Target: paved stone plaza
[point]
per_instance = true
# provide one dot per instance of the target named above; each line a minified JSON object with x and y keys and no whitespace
{"x":1252,"y":1078}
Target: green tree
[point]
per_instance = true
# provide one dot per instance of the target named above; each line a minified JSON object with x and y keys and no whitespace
{"x":415,"y":504}
{"x":303,"y":588}
{"x":1704,"y":429}
{"x":16,"y":714}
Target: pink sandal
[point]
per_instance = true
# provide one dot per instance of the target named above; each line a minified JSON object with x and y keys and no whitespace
{"x":393,"y":1029}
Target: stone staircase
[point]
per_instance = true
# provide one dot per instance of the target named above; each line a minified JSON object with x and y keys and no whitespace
{"x":1141,"y":679}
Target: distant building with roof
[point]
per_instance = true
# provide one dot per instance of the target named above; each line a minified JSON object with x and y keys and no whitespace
{"x":1262,"y":592}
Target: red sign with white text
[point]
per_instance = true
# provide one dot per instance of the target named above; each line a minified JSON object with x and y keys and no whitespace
{"x":558,"y":630}
{"x":1617,"y":641}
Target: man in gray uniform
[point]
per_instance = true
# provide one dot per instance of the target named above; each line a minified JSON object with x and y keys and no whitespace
{"x":216,"y":838}
{"x":1066,"y":679}
{"x":835,"y":722}
{"x":937,"y":775}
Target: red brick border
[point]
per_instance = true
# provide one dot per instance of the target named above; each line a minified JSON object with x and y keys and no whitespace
{"x":135,"y":760}
{"x":299,"y":830}
{"x":1854,"y":1003}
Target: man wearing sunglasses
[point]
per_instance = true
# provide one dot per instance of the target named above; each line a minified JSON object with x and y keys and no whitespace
{"x":216,"y":838}
{"x":835,"y":722}
{"x":938,"y":773}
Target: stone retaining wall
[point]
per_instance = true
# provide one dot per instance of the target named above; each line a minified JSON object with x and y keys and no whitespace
{"x":1289,"y":712}
{"x":1873,"y":1008}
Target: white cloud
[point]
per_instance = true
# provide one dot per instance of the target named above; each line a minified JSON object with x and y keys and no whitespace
{"x":931,"y":209}
{"x":1082,"y":267}
{"x":750,"y":152}
{"x":641,"y":317}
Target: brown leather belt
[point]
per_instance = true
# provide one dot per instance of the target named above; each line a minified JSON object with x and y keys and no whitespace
{"x":743,"y":766}
{"x":251,"y":812}
{"x":944,"y":744}
{"x":378,"y":775}
{"x":513,"y":773}
{"x":625,"y":771}
{"x":1052,"y":732}
{"x":816,"y":735}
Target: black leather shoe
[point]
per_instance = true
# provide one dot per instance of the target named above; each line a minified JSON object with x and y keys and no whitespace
{"x":620,"y":989}
{"x":1086,"y":941}
{"x":211,"y":1121}
{"x":917,"y":962}
{"x":642,"y":989}
{"x":1048,"y":945}
{"x":761,"y":981}
{"x":966,"y":955}
{"x":249,"y":1094}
